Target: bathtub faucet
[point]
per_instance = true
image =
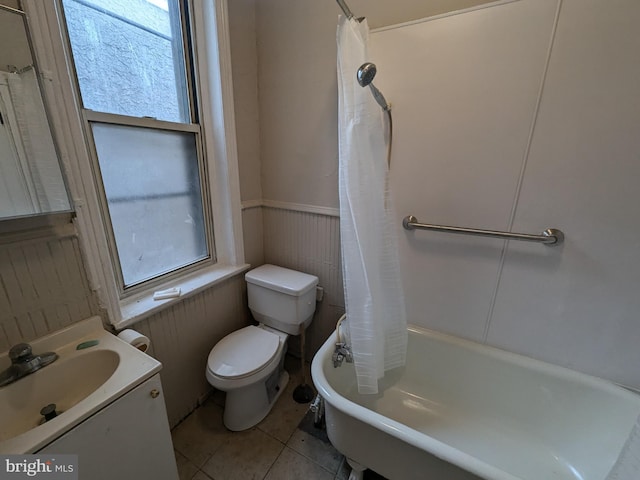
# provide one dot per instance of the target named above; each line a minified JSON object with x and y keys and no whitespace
{"x":342,"y":352}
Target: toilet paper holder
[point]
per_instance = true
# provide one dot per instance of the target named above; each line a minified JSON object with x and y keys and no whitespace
{"x":135,"y":339}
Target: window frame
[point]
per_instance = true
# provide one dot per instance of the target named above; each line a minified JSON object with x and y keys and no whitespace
{"x":90,"y":117}
{"x":214,"y":108}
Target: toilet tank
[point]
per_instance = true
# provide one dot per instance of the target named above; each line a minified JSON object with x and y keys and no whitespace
{"x":281,"y":298}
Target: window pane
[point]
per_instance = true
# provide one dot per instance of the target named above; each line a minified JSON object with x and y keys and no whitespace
{"x":129,"y":57}
{"x":152,"y":184}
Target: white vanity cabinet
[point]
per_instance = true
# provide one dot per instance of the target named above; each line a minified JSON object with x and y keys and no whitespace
{"x":129,"y":439}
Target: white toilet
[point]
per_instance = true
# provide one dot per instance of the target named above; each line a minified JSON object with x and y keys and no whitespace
{"x":248,"y":364}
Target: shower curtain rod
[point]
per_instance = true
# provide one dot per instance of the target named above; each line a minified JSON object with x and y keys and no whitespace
{"x":345,"y":8}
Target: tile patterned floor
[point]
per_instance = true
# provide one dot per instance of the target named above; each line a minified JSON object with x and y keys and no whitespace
{"x":275,"y":449}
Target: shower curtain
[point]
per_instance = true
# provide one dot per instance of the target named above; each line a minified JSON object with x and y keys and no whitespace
{"x":376,"y":317}
{"x":35,"y":137}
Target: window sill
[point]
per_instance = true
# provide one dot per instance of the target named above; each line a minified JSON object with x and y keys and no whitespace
{"x":143,"y":305}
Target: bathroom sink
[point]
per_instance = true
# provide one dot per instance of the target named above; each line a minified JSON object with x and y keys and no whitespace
{"x":79,"y":383}
{"x":64,"y":383}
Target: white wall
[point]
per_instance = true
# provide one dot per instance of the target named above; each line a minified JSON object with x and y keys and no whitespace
{"x":298,"y":101}
{"x":462,"y":117}
{"x":10,"y":3}
{"x":579,"y":306}
{"x":475,"y":148}
{"x":298,"y":135}
{"x":487,"y":151}
{"x":43,"y":287}
{"x":244,"y":64}
{"x":381,"y":13}
{"x":298,"y":90}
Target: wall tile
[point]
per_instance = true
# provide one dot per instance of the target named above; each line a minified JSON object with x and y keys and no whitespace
{"x":462,"y":116}
{"x":577,"y":305}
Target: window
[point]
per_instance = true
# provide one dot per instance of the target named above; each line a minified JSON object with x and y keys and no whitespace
{"x":141,"y":119}
{"x":181,"y":163}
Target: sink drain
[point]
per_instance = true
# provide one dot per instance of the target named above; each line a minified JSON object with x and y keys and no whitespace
{"x":48,"y":412}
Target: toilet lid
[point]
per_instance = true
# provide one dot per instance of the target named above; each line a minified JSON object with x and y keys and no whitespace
{"x":243,"y":352}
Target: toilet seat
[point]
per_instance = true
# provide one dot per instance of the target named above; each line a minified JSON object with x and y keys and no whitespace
{"x":243,"y":353}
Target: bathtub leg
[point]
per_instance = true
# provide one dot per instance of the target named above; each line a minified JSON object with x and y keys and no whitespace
{"x":357,"y":470}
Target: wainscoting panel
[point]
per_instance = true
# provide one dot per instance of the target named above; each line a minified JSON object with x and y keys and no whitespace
{"x":310,"y":243}
{"x":182,"y":337}
{"x":43,"y":288}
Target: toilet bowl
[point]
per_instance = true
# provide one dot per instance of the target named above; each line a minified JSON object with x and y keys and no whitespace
{"x":248,"y":364}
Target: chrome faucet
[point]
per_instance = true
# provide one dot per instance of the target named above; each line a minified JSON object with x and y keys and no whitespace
{"x":341,"y":353}
{"x":24,"y":363}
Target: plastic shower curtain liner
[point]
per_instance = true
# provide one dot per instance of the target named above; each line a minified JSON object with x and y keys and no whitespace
{"x":376,"y":315}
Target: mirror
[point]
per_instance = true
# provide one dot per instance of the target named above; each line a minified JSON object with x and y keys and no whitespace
{"x":31,"y":181}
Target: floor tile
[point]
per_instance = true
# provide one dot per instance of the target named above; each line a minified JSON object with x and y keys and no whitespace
{"x":371,"y":475}
{"x":201,"y":476}
{"x":307,"y":424}
{"x":293,"y":466}
{"x":186,"y":469}
{"x":218,"y":397}
{"x":285,"y":414}
{"x":315,"y":449}
{"x":245,"y":455}
{"x":343,"y":471}
{"x":200,"y":434}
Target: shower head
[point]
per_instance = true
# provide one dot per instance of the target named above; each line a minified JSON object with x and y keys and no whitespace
{"x":366,"y":73}
{"x":365,"y":76}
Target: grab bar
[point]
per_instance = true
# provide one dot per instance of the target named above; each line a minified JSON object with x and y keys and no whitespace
{"x":550,"y":237}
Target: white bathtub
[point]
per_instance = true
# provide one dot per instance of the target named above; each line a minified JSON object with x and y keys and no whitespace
{"x":461,"y":410}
